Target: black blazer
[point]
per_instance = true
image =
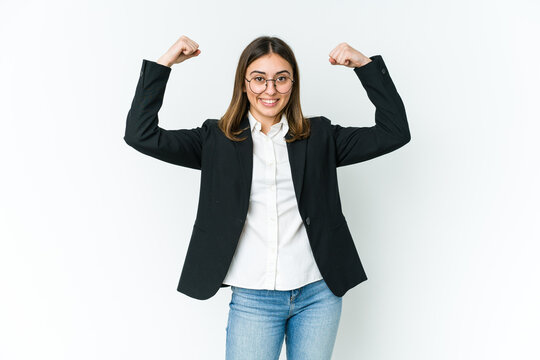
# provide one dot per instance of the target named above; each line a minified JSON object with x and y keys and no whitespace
{"x":226,"y":171}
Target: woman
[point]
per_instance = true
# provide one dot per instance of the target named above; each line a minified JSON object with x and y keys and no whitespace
{"x":269,"y":222}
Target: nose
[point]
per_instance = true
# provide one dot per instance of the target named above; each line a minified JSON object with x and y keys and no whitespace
{"x":270,"y":87}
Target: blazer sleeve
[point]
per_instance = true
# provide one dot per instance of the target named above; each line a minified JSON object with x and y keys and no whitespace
{"x":391,"y":129}
{"x":181,"y":147}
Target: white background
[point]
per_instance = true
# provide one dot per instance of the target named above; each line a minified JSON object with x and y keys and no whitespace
{"x":94,"y":234}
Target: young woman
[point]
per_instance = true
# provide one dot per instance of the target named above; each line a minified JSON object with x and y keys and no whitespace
{"x":269,"y":222}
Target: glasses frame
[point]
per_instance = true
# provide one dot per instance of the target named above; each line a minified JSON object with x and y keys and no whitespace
{"x":266,"y":84}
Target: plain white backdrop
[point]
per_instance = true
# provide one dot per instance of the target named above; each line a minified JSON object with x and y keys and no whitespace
{"x":94,"y":234}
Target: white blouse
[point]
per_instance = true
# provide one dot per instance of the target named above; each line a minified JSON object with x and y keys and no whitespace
{"x":273,"y":251}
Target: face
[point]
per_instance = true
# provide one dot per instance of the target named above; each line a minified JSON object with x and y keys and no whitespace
{"x":268,"y":104}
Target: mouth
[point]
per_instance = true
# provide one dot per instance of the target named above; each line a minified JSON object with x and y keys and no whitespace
{"x":269,"y":102}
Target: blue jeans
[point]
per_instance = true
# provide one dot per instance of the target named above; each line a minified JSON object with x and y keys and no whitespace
{"x":258,"y":320}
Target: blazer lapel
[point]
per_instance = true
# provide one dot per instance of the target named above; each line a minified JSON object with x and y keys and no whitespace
{"x":297,"y":160}
{"x":244,"y":150}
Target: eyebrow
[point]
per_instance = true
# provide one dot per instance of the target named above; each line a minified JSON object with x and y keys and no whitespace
{"x":262,"y":72}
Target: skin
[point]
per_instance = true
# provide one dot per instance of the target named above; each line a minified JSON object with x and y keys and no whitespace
{"x":343,"y":54}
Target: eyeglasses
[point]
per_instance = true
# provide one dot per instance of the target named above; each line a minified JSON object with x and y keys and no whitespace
{"x":258,"y":84}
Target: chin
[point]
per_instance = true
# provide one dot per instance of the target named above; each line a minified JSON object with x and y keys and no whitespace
{"x":270,"y":112}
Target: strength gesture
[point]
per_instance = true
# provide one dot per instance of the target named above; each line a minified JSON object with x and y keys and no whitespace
{"x":183,"y":49}
{"x":345,"y":55}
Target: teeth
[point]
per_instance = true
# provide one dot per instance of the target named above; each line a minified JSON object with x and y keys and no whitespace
{"x":268,"y":101}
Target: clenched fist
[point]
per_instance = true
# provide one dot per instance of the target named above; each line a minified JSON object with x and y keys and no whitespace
{"x":183,"y":49}
{"x":344,"y":54}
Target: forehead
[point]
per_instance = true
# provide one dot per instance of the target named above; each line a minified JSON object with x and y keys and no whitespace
{"x":270,"y":64}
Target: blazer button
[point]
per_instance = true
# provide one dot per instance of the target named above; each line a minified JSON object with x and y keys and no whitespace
{"x":383,"y":71}
{"x":307,"y":221}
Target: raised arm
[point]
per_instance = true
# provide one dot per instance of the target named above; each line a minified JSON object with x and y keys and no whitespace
{"x":391,"y":129}
{"x":180,"y":147}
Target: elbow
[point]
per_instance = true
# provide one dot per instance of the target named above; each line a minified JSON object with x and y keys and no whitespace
{"x":400,"y":141}
{"x":130,"y":141}
{"x":406,"y":133}
{"x":407,"y":138}
{"x":127,"y":140}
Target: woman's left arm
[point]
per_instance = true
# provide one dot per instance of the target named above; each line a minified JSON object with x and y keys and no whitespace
{"x":391,"y":129}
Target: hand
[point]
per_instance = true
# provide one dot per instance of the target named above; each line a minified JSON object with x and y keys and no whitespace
{"x":183,"y":49}
{"x":344,"y":54}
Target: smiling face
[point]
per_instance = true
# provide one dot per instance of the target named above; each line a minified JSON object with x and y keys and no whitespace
{"x":266,"y":106}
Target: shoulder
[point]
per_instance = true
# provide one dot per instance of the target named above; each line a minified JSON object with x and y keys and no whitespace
{"x":319,"y":123}
{"x":320,"y":128}
{"x":318,"y":120}
{"x":206,"y":130}
{"x":210,"y":123}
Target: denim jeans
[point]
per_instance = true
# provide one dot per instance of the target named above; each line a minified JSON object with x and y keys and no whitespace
{"x":258,"y":320}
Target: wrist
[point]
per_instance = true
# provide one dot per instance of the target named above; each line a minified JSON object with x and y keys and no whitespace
{"x":367,"y":61}
{"x":164,"y":61}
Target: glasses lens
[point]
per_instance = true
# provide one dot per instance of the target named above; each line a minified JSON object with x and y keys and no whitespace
{"x":258,"y":84}
{"x":283,"y":84}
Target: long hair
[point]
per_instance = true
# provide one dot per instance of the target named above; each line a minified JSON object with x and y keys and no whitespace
{"x":229,"y":123}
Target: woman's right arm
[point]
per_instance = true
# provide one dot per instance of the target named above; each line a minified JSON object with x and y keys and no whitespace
{"x":180,"y":147}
